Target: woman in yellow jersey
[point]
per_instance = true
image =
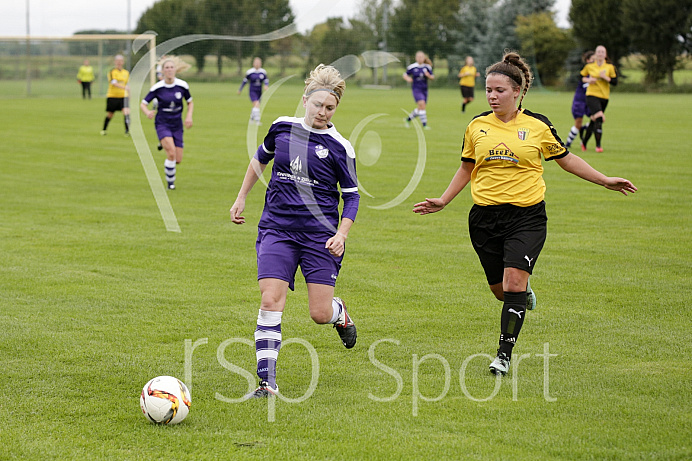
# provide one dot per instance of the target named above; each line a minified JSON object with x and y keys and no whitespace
{"x":85,"y":75}
{"x":116,"y":97}
{"x":467,"y":82}
{"x":501,"y":158}
{"x":600,"y":75}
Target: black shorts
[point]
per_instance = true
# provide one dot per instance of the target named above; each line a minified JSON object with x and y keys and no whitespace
{"x":466,"y":91}
{"x":507,"y":236}
{"x":115,"y":104}
{"x":596,"y":104}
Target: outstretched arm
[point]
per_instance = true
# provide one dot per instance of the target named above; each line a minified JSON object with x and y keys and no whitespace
{"x":254,"y":171}
{"x":459,"y":181}
{"x":578,"y":167}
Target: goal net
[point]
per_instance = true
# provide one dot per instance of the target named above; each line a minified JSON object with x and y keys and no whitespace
{"x":47,"y":66}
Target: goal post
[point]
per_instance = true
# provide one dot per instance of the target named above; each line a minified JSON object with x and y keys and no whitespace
{"x":37,"y":58}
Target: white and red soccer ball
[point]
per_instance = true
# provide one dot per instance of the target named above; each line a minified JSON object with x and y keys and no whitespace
{"x":165,"y":400}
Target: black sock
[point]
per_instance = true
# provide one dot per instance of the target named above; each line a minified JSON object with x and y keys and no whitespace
{"x":598,"y":131}
{"x":589,"y":132}
{"x":127,"y":124}
{"x":582,"y":130}
{"x":463,"y":107}
{"x":513,"y":313}
{"x":105,"y":123}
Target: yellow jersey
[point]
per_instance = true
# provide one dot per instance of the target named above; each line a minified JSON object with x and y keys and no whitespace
{"x":117,"y":76}
{"x":601,"y":88}
{"x":469,"y":80}
{"x":85,"y":74}
{"x":507,"y":157}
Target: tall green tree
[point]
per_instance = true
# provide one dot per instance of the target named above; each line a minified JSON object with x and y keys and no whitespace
{"x":245,"y":18}
{"x":546,"y":43}
{"x":504,"y":19}
{"x":488,"y":27}
{"x":174,"y":18}
{"x":335,"y":38}
{"x":232,"y":18}
{"x":424,"y":25}
{"x":657,"y":29}
{"x":271,"y":15}
{"x":377,"y":14}
{"x":473,"y":19}
{"x":600,"y":23}
{"x":284,"y":48}
{"x":240,"y":18}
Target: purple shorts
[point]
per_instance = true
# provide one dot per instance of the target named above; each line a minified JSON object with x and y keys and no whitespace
{"x":255,"y":93}
{"x":279,"y":253}
{"x":420,"y":95}
{"x":165,"y":130}
{"x":579,"y":109}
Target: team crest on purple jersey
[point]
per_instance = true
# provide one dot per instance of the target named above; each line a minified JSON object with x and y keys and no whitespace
{"x":321,"y":151}
{"x":296,"y":166}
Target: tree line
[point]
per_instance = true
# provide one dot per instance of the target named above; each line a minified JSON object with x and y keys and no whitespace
{"x":660,"y":30}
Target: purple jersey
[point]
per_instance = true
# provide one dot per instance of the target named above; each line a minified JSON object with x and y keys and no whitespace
{"x":170,"y":99}
{"x":417,"y":73}
{"x":308,"y":164}
{"x":256,"y":78}
{"x":580,"y":92}
{"x":579,"y":108}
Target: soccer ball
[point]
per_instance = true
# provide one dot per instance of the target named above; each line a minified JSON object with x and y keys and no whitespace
{"x":165,"y":400}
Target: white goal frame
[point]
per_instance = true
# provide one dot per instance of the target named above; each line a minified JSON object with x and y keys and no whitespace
{"x":150,"y":38}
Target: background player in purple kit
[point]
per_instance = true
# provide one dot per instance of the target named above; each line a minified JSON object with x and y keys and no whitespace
{"x":170,"y":93}
{"x":579,"y":107}
{"x":300,"y":223}
{"x":257,"y":78}
{"x":418,"y":74}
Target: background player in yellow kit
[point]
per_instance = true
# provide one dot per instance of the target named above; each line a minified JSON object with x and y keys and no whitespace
{"x":467,"y":81}
{"x":85,"y":76}
{"x":600,"y":74}
{"x":117,"y":92}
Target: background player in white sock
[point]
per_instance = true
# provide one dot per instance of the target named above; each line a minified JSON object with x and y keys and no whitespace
{"x":257,"y":79}
{"x":170,"y":93}
{"x":418,"y":74}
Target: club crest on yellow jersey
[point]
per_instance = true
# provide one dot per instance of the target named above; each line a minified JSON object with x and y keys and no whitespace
{"x":523,"y":133}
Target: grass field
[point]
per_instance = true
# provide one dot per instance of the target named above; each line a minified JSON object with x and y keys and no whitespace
{"x":97,"y":297}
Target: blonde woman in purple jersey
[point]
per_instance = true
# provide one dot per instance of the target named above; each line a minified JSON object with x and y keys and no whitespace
{"x":301,"y":224}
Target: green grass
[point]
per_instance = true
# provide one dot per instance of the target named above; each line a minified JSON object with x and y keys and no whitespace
{"x":97,"y":297}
